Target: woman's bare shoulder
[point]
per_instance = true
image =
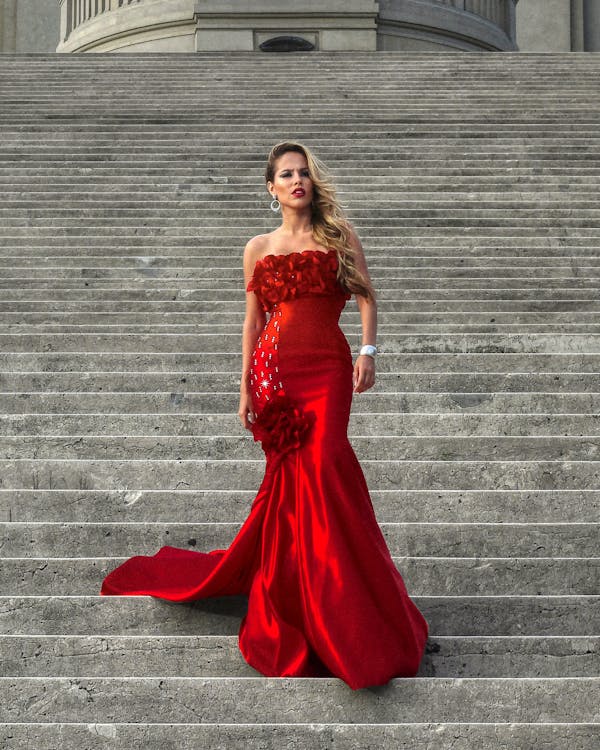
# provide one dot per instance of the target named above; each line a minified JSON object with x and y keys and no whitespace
{"x":259,"y":244}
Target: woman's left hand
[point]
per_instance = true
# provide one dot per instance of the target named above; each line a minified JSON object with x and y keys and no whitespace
{"x":363,"y":376}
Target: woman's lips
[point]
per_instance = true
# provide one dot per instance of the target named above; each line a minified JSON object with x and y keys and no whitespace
{"x":299,"y":193}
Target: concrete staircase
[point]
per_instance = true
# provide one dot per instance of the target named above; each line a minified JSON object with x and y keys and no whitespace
{"x":129,"y":185}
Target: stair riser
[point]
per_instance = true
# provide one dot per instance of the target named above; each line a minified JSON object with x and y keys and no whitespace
{"x":434,"y":539}
{"x":543,"y":343}
{"x":206,"y":700}
{"x":507,"y":364}
{"x":428,"y":736}
{"x":370,"y":448}
{"x":212,"y":656}
{"x":241,"y":475}
{"x":185,"y":403}
{"x":144,"y":615}
{"x":224,"y":381}
{"x":479,"y":576}
{"x":229,"y":506}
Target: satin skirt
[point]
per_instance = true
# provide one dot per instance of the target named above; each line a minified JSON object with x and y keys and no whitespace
{"x":325,"y":598}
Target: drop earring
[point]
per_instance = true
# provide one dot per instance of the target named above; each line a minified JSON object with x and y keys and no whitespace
{"x":275,"y":204}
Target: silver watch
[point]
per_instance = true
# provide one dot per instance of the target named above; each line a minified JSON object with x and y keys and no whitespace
{"x":369,"y":350}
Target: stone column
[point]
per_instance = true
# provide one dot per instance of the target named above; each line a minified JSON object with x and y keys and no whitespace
{"x":8,"y":26}
{"x":510,"y":20}
{"x":591,"y":25}
{"x":577,"y":44}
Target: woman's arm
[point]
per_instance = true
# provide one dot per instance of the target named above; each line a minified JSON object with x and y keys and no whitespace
{"x":253,"y":324}
{"x":364,"y":367}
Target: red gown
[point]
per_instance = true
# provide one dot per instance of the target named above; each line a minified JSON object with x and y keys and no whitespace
{"x":324,"y":595}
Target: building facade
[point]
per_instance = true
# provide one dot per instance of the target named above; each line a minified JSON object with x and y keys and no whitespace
{"x":216,"y":25}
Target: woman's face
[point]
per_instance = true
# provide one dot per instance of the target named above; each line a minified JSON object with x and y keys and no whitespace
{"x":291,"y":182}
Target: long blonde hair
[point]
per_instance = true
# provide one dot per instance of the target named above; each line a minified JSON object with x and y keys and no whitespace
{"x":330,"y":226}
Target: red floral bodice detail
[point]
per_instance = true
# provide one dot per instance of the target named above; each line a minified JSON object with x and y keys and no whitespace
{"x":280,"y":277}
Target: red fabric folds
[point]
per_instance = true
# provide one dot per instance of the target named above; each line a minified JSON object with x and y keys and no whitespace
{"x":324,"y":595}
{"x":282,"y":425}
{"x":279,"y":277}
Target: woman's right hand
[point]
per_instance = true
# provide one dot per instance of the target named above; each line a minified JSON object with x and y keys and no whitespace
{"x":246,"y":410}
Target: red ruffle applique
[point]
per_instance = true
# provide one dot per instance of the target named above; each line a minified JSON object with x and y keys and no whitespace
{"x":282,"y":425}
{"x":286,"y":276}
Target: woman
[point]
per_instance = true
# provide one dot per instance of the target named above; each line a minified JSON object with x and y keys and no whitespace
{"x":324,"y":595}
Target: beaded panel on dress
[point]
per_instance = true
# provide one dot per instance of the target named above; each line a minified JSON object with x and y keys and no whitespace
{"x":280,"y":278}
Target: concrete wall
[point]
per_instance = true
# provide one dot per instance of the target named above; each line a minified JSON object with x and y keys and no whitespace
{"x":29,"y":26}
{"x":149,"y":26}
{"x":331,"y":25}
{"x":544,"y":25}
{"x":425,"y":26}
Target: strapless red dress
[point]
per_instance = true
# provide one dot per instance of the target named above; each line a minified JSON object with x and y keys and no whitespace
{"x":324,"y":595}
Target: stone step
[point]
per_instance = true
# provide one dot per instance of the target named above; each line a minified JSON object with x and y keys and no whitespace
{"x":227,"y":506}
{"x":43,"y":258}
{"x":370,"y":402}
{"x":423,"y":576}
{"x":226,"y":311}
{"x":490,"y":218}
{"x":223,"y":136}
{"x":556,"y":150}
{"x":220,"y":145}
{"x":582,"y":272}
{"x":224,"y":319}
{"x":577,"y":180}
{"x":226,"y":446}
{"x":30,"y":431}
{"x":203,"y":381}
{"x":317,"y":700}
{"x":416,"y":735}
{"x":351,"y":330}
{"x":319,"y":69}
{"x":207,"y":474}
{"x":65,"y":257}
{"x":39,"y":237}
{"x":461,"y":241}
{"x":217,"y":263}
{"x":564,"y":615}
{"x":544,"y":342}
{"x":433,"y":364}
{"x":388,"y":299}
{"x":444,"y":540}
{"x":387,"y":286}
{"x":229,"y":236}
{"x":213,"y":656}
{"x":29,"y":194}
{"x":491,"y":287}
{"x":421,"y":247}
{"x":333,"y":76}
{"x":204,"y":131}
{"x":579,"y":162}
{"x":263,"y":98}
{"x":133,"y":108}
{"x":444,"y":178}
